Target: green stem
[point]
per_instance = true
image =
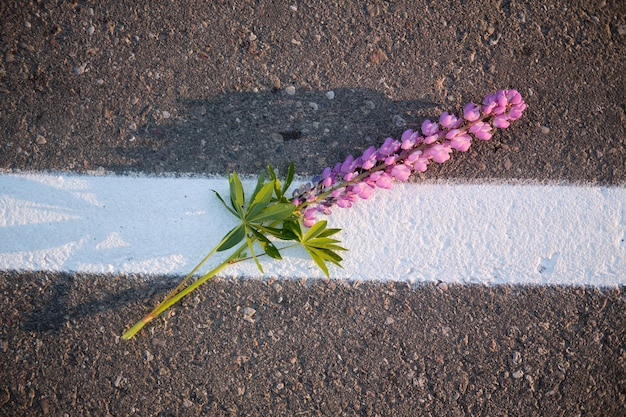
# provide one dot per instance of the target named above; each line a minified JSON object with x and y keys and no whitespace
{"x":176,"y":295}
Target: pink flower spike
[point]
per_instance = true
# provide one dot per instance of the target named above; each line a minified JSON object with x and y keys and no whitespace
{"x":501,"y":98}
{"x":449,"y":120}
{"x":390,"y":160}
{"x":384,"y":181}
{"x":337,"y":192}
{"x":348,"y":165}
{"x":413,"y":156}
{"x":401,"y":172}
{"x":489,"y":103}
{"x":513,"y":96}
{"x":500,"y":121}
{"x":471,"y":112}
{"x":309,"y":217}
{"x":430,"y":139}
{"x":389,"y":147}
{"x":363,"y":190}
{"x":454,"y":132}
{"x":344,"y":202}
{"x":429,"y":128}
{"x":368,"y":159}
{"x":461,"y":142}
{"x":516,"y":111}
{"x":438,"y":152}
{"x":408,"y":139}
{"x":481,"y":130}
{"x":421,"y":164}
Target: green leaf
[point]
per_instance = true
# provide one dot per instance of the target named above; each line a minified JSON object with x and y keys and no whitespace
{"x":289,"y":179}
{"x":282,"y":234}
{"x":267,"y":246}
{"x":225,"y":205}
{"x":295,"y":228}
{"x":259,"y":185}
{"x":319,"y":261}
{"x":233,"y":237}
{"x":274,"y":212}
{"x":261,"y":200}
{"x":274,"y":178}
{"x":315,"y":230}
{"x":329,"y":232}
{"x":236,"y":193}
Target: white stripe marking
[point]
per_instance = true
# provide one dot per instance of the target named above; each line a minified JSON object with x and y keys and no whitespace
{"x":488,"y":233}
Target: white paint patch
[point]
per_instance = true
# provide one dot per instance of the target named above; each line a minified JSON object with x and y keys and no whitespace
{"x":489,"y":233}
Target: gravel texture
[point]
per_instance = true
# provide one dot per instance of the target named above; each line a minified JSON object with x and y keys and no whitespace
{"x":189,"y":87}
{"x":317,"y":348}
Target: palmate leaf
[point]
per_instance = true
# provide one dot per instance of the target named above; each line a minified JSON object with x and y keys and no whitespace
{"x":318,"y":245}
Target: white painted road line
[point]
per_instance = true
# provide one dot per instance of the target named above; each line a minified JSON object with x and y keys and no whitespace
{"x":465,"y":233}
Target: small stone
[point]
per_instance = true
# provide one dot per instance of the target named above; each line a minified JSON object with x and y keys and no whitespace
{"x":518,"y":374}
{"x":252,"y":37}
{"x":293,"y":8}
{"x":398,"y":121}
{"x":277,"y":137}
{"x":132,"y":126}
{"x":41,"y":140}
{"x":45,"y":406}
{"x":249,"y":311}
{"x":90,"y":30}
{"x":166,"y":114}
{"x":508,"y":164}
{"x":291,"y":90}
{"x":118,"y":381}
{"x":148,"y":356}
{"x":26,"y":46}
{"x":516,"y":357}
{"x":378,"y":57}
{"x":545,"y":130}
{"x":330,"y":95}
{"x":313,"y":105}
{"x":370,"y":104}
{"x":80,"y":69}
{"x":389,"y":320}
{"x":373,"y":10}
{"x":443,"y":286}
{"x":187,"y":403}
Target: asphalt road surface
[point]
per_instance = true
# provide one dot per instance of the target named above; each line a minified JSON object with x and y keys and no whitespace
{"x":183,"y":87}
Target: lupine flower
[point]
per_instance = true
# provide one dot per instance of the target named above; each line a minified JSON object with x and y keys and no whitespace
{"x":342,"y":186}
{"x":395,"y":160}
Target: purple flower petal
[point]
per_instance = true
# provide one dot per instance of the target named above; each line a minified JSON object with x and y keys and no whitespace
{"x":471,"y":112}
{"x":401,"y":172}
{"x":438,"y":152}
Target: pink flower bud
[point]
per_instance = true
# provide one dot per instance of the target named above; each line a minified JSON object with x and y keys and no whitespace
{"x":438,"y":152}
{"x":481,"y":130}
{"x":400,"y":172}
{"x":471,"y":112}
{"x":501,"y":121}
